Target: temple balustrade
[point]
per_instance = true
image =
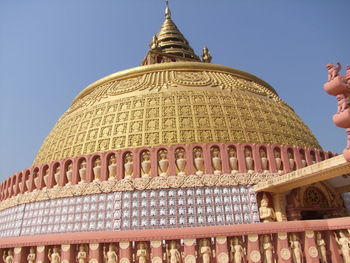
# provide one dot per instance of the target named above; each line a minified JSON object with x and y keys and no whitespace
{"x":313,"y":241}
{"x":213,"y":158}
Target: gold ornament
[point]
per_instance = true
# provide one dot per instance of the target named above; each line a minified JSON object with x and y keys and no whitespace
{"x":221,"y":240}
{"x":65,"y":247}
{"x":255,"y":256}
{"x":313,"y":252}
{"x":190,"y":259}
{"x":156,"y":260}
{"x":253,"y":238}
{"x":285,"y":253}
{"x":156,"y":243}
{"x":124,"y":245}
{"x":94,"y":246}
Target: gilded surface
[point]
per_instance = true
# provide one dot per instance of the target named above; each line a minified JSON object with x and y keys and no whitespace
{"x":174,"y":107}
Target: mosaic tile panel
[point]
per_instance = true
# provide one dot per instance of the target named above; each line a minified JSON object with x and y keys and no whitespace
{"x":149,"y":209}
{"x":172,"y":208}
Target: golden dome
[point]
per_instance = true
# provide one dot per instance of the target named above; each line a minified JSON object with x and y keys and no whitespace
{"x":174,"y":103}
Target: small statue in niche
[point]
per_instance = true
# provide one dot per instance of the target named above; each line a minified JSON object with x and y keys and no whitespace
{"x":54,"y":257}
{"x":344,"y":243}
{"x":142,"y":253}
{"x":57,"y":176}
{"x":233,"y":159}
{"x":333,"y":71}
{"x":172,"y":254}
{"x":291,"y":160}
{"x":205,"y":250}
{"x":206,"y":56}
{"x":69,"y":174}
{"x":198,"y":161}
{"x":267,"y":249}
{"x":46,"y":177}
{"x":82,"y":255}
{"x":97,"y":169}
{"x":264,"y":161}
{"x":145,"y":164}
{"x":343,"y":102}
{"x":313,"y":158}
{"x":154,"y":44}
{"x":82,"y":172}
{"x":8,"y":257}
{"x":278,"y":160}
{"x":31,"y":256}
{"x":163,"y":162}
{"x":216,"y":160}
{"x":321,"y":247}
{"x":180,"y":161}
{"x":128,"y":165}
{"x":110,"y":256}
{"x":249,"y":159}
{"x":237,"y":251}
{"x":302,"y":157}
{"x":297,"y":253}
{"x":112,"y":168}
{"x":36,"y":180}
{"x":267,"y":214}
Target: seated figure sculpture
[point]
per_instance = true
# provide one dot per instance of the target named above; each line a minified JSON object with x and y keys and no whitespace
{"x":267,"y":214}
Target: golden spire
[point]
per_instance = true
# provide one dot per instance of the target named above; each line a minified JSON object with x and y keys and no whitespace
{"x":169,"y":45}
{"x":171,"y":41}
{"x":167,"y":10}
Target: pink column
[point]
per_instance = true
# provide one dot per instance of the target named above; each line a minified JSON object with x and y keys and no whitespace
{"x":221,"y":250}
{"x":89,"y":168}
{"x":190,"y":169}
{"x":334,"y":248}
{"x":41,"y":254}
{"x":285,"y":159}
{"x":19,"y":255}
{"x":120,"y":165}
{"x":297,"y":157}
{"x":67,"y":253}
{"x":190,"y":250}
{"x":310,"y":248}
{"x":256,"y":158}
{"x":308,"y":157}
{"x":271,"y":158}
{"x":282,"y":248}
{"x":154,"y":162}
{"x":137,"y":163}
{"x":156,"y":251}
{"x":171,"y":158}
{"x":253,"y":249}
{"x":241,"y":158}
{"x":207,"y":159}
{"x":95,"y":253}
{"x":224,"y":159}
{"x":125,"y":252}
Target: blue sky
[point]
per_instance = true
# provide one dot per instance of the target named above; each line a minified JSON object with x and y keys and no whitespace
{"x":50,"y":50}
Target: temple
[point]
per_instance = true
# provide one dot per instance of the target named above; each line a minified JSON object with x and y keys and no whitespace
{"x":180,"y":160}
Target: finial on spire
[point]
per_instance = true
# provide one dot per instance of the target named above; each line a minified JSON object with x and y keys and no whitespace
{"x":167,"y":10}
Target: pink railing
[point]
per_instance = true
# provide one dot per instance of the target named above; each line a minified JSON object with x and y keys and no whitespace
{"x":65,"y":171}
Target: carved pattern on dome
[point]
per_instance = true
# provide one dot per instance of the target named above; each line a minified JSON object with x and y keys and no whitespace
{"x":174,"y":118}
{"x":132,"y":184}
{"x":163,"y":79}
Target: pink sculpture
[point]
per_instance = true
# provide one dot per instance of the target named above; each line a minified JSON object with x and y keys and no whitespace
{"x":339,"y":86}
{"x":333,"y":71}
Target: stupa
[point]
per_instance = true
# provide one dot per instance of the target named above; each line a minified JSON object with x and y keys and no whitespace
{"x":178,"y":160}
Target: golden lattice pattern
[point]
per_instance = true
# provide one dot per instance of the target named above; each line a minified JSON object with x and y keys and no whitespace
{"x":174,"y":117}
